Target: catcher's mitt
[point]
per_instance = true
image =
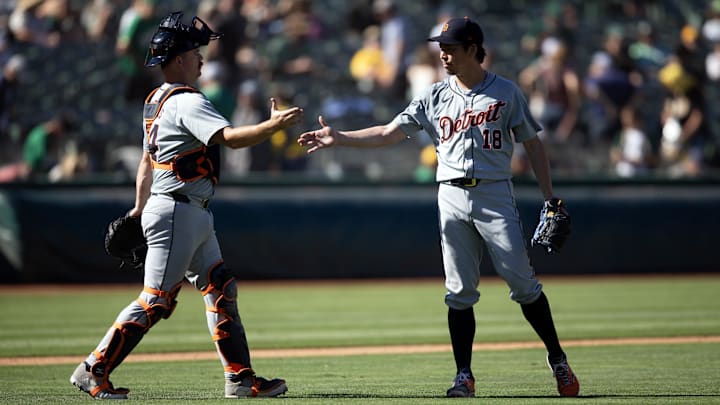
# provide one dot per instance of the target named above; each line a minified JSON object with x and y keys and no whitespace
{"x":125,"y":240}
{"x":554,"y":226}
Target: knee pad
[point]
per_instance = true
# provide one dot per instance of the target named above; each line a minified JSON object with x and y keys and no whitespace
{"x":221,"y":293}
{"x":162,"y":308}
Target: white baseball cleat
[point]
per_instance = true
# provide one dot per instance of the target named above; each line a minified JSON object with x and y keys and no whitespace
{"x":96,"y":387}
{"x":247,"y":385}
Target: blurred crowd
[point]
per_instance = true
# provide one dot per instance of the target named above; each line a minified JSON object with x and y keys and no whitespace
{"x":621,"y":88}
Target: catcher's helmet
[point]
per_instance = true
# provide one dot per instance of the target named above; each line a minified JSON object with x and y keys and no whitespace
{"x":173,"y":38}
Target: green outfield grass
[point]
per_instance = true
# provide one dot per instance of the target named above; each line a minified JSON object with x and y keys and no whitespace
{"x":70,"y":322}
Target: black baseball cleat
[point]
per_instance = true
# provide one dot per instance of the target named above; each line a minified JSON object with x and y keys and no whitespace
{"x":463,"y":385}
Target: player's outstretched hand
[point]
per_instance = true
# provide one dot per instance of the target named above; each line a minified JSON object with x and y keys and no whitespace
{"x":319,"y":138}
{"x":284,"y":118}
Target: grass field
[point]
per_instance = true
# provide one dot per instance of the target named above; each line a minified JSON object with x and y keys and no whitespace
{"x":69,"y":321}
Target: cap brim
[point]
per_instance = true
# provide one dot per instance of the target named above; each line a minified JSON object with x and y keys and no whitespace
{"x":447,"y":41}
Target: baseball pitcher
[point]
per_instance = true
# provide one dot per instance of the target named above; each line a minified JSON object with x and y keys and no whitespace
{"x":474,"y":117}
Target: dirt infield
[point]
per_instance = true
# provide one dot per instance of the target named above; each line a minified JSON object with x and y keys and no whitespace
{"x":362,"y":350}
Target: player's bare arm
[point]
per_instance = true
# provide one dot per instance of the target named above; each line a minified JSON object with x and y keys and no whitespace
{"x":143,"y":181}
{"x":249,"y":135}
{"x":371,"y":137}
{"x":540,"y":164}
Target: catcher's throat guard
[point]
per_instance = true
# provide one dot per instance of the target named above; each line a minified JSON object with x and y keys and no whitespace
{"x":173,"y":38}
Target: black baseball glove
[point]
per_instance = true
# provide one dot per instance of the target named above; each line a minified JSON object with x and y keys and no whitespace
{"x":125,"y":240}
{"x":554,"y":226}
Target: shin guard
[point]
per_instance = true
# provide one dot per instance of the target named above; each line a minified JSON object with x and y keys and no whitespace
{"x":130,"y":327}
{"x":224,"y":321}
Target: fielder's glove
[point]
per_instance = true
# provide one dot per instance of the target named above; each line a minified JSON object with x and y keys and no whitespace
{"x":554,"y":226}
{"x":125,"y":240}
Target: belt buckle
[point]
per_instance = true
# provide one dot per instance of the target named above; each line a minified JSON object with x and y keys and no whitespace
{"x":204,"y":203}
{"x":472,"y":183}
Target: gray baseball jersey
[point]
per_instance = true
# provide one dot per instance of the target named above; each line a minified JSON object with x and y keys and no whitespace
{"x":474,"y":132}
{"x":185,"y":122}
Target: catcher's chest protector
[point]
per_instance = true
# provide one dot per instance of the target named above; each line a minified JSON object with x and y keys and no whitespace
{"x":189,"y":166}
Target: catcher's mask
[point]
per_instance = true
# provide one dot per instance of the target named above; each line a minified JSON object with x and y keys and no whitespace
{"x":173,"y":38}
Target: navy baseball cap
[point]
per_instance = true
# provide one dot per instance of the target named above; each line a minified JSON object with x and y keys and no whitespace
{"x":459,"y":30}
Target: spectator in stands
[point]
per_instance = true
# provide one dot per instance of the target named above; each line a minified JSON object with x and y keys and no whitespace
{"x":137,"y":25}
{"x":286,"y":154}
{"x":631,"y":154}
{"x":44,"y":145}
{"x":647,"y":53}
{"x":394,"y":43}
{"x":711,"y":25}
{"x":6,"y":37}
{"x":712,"y":62}
{"x":259,"y":14}
{"x":304,"y":10}
{"x":249,"y":109}
{"x":226,"y":16}
{"x":560,"y":20}
{"x":554,"y":97}
{"x":100,"y":19}
{"x":290,"y":55}
{"x":553,"y":89}
{"x":711,"y":34}
{"x":691,"y":54}
{"x":427,"y":165}
{"x":422,"y":71}
{"x":248,"y":60}
{"x":610,"y":84}
{"x":64,"y":19}
{"x":212,"y":85}
{"x":358,"y":17}
{"x":685,"y":130}
{"x":367,"y":65}
{"x":9,"y":87}
{"x":29,"y":24}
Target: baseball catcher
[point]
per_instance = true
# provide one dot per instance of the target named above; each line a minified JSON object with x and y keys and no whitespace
{"x":125,"y":240}
{"x":176,"y":179}
{"x":554,"y":226}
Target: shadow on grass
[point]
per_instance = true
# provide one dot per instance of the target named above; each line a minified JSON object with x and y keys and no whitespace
{"x":651,"y":396}
{"x":400,"y":396}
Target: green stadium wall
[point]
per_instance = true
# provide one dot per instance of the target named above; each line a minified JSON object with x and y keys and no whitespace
{"x":55,"y":233}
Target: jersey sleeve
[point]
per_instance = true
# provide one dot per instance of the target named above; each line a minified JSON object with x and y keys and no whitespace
{"x":414,"y":118}
{"x":146,"y":143}
{"x":523,"y":124}
{"x":198,"y":116}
